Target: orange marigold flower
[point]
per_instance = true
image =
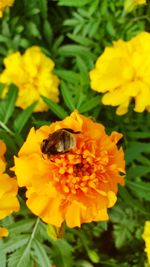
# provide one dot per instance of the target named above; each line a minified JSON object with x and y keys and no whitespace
{"x":77,"y":186}
{"x":4,"y":4}
{"x":8,"y":191}
{"x":122,"y":72}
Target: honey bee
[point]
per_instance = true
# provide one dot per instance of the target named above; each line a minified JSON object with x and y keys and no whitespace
{"x":59,"y":142}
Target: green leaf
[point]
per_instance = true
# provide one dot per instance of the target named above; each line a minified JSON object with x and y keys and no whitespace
{"x":68,"y":75}
{"x":76,"y":3}
{"x":25,"y":257}
{"x":55,"y":108}
{"x":8,"y":104}
{"x":41,"y":256}
{"x":15,"y":243}
{"x":2,"y":255}
{"x":135,"y":150}
{"x":80,"y":39}
{"x":15,"y":257}
{"x":122,"y":234}
{"x":139,"y":135}
{"x":9,"y":141}
{"x":62,"y":253}
{"x":83,"y":70}
{"x":32,"y":29}
{"x":74,"y":50}
{"x":1,"y":88}
{"x":90,"y":104}
{"x":138,"y":171}
{"x":43,"y":7}
{"x":67,"y":97}
{"x":47,"y":31}
{"x":23,"y":117}
{"x":21,"y":226}
{"x":129,"y":200}
{"x":141,"y":189}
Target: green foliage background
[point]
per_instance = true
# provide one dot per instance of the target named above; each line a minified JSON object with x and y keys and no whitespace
{"x":74,"y":33}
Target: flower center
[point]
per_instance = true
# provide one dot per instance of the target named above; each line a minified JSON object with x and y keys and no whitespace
{"x":79,"y":171}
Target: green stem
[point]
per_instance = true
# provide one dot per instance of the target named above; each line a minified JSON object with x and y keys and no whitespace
{"x":6,"y":128}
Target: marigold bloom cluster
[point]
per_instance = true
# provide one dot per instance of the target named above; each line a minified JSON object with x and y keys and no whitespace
{"x":146,"y":237}
{"x":32,"y":73}
{"x":4,"y":4}
{"x":129,"y":5}
{"x":77,"y":186}
{"x":122,"y":72}
{"x":8,"y":191}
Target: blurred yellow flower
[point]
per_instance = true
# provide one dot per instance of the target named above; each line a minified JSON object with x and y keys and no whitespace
{"x":3,"y":232}
{"x":78,"y":186}
{"x":146,"y":237}
{"x":32,"y":73}
{"x":4,"y":4}
{"x":129,"y":5}
{"x":8,"y":191}
{"x":123,"y":72}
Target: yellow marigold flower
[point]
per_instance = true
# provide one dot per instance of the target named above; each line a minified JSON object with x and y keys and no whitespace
{"x":129,"y":5}
{"x":146,"y":237}
{"x":123,"y":72}
{"x":8,"y":191}
{"x":77,"y":186}
{"x":32,"y":73}
{"x":4,"y":4}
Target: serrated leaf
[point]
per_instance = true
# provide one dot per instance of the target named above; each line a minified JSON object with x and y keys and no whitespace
{"x":77,"y":3}
{"x":15,"y":243}
{"x":55,"y":108}
{"x":127,"y":197}
{"x":23,"y":117}
{"x":21,"y":226}
{"x":67,"y":97}
{"x":42,"y":258}
{"x":90,"y":104}
{"x":2,"y":255}
{"x":122,"y":234}
{"x":135,"y":150}
{"x":15,"y":257}
{"x":141,"y":189}
{"x":138,"y":171}
{"x":8,"y":104}
{"x":62,"y":253}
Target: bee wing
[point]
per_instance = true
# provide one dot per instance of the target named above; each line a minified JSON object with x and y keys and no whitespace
{"x":71,"y":131}
{"x":54,"y":138}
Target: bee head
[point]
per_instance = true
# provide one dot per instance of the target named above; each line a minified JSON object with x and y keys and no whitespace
{"x":44,"y":146}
